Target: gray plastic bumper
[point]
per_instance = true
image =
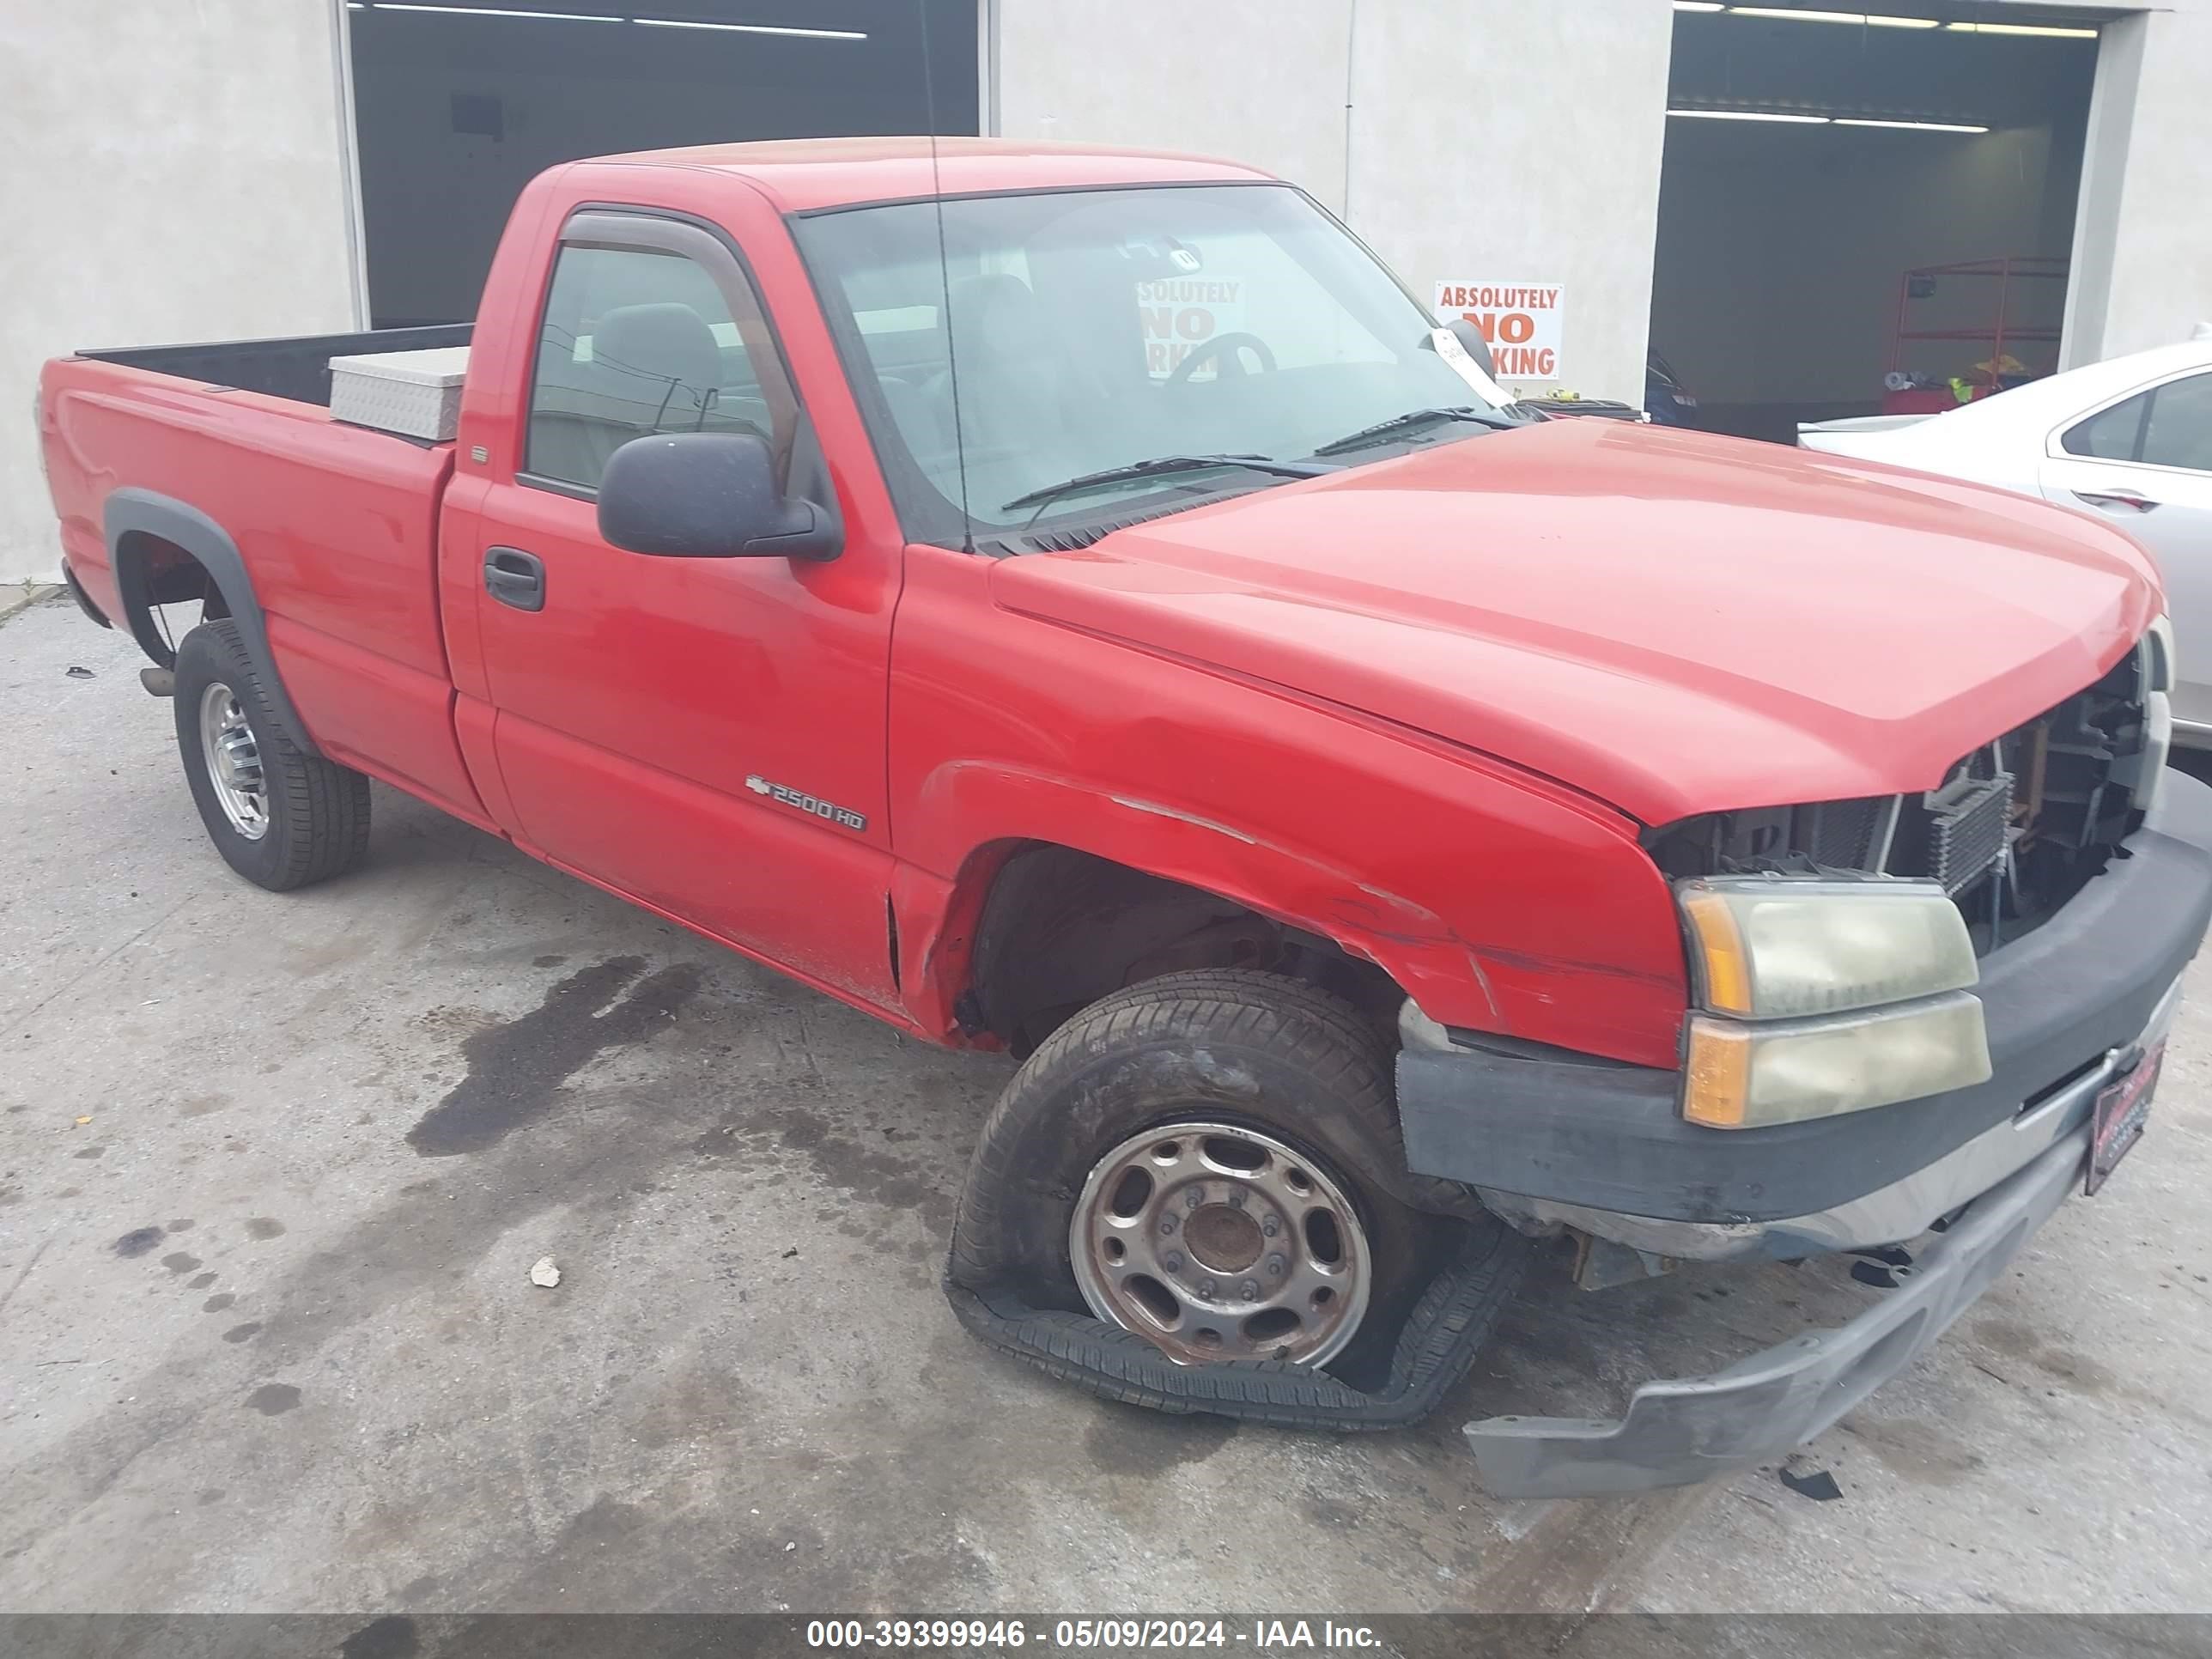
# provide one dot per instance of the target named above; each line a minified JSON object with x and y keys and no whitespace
{"x":1689,"y":1429}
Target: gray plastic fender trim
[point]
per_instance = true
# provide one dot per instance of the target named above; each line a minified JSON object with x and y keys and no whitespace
{"x":1690,"y":1429}
{"x":129,"y":512}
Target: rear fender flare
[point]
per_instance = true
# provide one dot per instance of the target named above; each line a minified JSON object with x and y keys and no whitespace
{"x":132,"y":514}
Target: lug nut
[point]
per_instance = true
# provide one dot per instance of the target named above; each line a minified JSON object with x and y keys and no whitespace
{"x":1172,"y":1262}
{"x":1274,"y":1266}
{"x":1193,"y":1197}
{"x":1249,"y":1289}
{"x":1270,"y":1226}
{"x":1167,"y":1224}
{"x":1237,"y":1196}
{"x":1207,"y":1288}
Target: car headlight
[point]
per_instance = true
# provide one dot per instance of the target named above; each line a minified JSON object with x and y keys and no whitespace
{"x":1740,"y":1074}
{"x":1826,"y":997}
{"x":1775,"y":947}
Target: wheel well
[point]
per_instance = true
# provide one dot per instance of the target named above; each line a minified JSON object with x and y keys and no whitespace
{"x":151,"y":571}
{"x":1062,"y":928}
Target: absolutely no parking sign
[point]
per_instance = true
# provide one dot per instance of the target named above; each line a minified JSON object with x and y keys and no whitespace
{"x":1520,"y":321}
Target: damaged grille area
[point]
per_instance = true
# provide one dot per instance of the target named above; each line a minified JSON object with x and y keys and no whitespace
{"x":2012,"y":832}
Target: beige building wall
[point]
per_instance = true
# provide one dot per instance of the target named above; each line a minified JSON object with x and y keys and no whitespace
{"x":178,"y":170}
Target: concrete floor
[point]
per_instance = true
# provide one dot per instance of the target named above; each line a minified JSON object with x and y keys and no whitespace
{"x":273,"y":1171}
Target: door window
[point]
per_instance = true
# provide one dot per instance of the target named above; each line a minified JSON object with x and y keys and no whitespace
{"x":2179,"y":431}
{"x":637,"y":341}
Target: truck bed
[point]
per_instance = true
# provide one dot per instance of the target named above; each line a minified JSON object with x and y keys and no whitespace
{"x":336,"y":525}
{"x":298,"y":369}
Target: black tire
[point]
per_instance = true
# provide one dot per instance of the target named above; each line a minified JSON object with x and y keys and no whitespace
{"x":317,"y":809}
{"x":1228,"y":1045}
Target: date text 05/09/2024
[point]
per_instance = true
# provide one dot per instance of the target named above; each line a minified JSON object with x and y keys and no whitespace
{"x":1259,"y":1635}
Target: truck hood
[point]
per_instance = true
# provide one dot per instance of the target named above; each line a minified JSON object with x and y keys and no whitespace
{"x":1671,"y":622}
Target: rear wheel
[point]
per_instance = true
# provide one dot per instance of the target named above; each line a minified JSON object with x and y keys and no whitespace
{"x":280,"y":816}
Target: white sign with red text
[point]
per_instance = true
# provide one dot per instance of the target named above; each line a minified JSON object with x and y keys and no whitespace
{"x":1180,"y":314}
{"x":1520,"y":321}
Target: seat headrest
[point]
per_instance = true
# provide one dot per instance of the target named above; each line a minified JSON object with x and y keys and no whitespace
{"x":995,"y":315}
{"x":659,"y":344}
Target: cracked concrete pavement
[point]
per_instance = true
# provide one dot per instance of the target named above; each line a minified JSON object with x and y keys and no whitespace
{"x":274,"y":1169}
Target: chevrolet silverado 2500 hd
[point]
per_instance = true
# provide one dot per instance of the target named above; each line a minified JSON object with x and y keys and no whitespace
{"x":1078,"y":602}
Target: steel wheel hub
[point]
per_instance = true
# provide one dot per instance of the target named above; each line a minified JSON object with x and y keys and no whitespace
{"x":234,"y":762}
{"x":1219,"y":1242}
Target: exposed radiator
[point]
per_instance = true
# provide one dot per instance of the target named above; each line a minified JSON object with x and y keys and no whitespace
{"x":1967,"y":821}
{"x":1843,"y":831}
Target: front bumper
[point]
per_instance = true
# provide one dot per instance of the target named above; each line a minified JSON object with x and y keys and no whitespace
{"x":1688,"y":1429}
{"x":1551,"y":1141}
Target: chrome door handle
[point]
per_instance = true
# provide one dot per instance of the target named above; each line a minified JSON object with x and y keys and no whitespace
{"x":2127,"y":498}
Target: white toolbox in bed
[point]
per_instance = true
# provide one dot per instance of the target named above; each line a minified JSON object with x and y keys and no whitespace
{"x":417,"y":394}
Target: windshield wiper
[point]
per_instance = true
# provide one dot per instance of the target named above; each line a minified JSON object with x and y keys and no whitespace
{"x":1161,"y":465}
{"x":1412,"y":418}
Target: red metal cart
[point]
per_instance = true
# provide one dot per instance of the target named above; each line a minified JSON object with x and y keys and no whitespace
{"x":2012,"y":274}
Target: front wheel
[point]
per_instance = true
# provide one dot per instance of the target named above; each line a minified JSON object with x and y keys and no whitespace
{"x":1212,"y":1161}
{"x":280,"y":816}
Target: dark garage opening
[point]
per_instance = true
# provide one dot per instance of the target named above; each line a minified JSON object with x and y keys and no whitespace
{"x":1784,"y":244}
{"x":457,"y":108}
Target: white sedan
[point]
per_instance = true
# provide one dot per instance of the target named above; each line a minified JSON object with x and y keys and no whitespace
{"x":2130,"y":440}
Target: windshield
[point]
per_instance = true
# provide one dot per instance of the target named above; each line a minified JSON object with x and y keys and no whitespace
{"x":1099,"y":330}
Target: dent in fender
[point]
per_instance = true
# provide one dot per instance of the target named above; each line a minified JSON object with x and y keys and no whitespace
{"x":938,"y":916}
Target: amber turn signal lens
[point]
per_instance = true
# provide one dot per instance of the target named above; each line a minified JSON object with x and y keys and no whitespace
{"x":1726,"y":972}
{"x":1717,"y":1081}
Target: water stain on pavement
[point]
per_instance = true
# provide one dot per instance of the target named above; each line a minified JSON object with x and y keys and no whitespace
{"x":515,"y":1069}
{"x":273,"y":1398}
{"x":1128,"y":1440}
{"x":138,"y":1241}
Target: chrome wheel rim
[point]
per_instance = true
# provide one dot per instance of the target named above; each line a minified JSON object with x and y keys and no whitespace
{"x":1214,"y":1242}
{"x":234,"y":762}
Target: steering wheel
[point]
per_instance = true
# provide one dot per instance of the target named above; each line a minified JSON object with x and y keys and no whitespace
{"x":1225,"y":348}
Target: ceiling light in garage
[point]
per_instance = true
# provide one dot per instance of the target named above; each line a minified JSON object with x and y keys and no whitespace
{"x":1908,"y":126}
{"x":752,"y":28}
{"x":495,"y":11}
{"x":2024,"y":28}
{"x":1873,"y":19}
{"x":1751,"y":115}
{"x":1700,"y":5}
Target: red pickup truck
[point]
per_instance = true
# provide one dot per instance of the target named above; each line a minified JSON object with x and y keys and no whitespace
{"x":1078,"y":602}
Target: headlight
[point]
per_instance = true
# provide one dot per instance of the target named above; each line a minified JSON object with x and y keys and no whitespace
{"x":1795,"y":971}
{"x":1741,"y":1076}
{"x":1779,"y":948}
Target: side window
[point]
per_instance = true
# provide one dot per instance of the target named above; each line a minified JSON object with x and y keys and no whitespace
{"x":2113,"y":435}
{"x":637,"y":341}
{"x":2180,"y":430}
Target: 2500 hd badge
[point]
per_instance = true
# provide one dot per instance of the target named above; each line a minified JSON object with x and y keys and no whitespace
{"x":806,"y":803}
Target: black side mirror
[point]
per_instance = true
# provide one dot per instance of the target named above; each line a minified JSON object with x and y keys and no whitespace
{"x":709,"y":496}
{"x":1477,"y":347}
